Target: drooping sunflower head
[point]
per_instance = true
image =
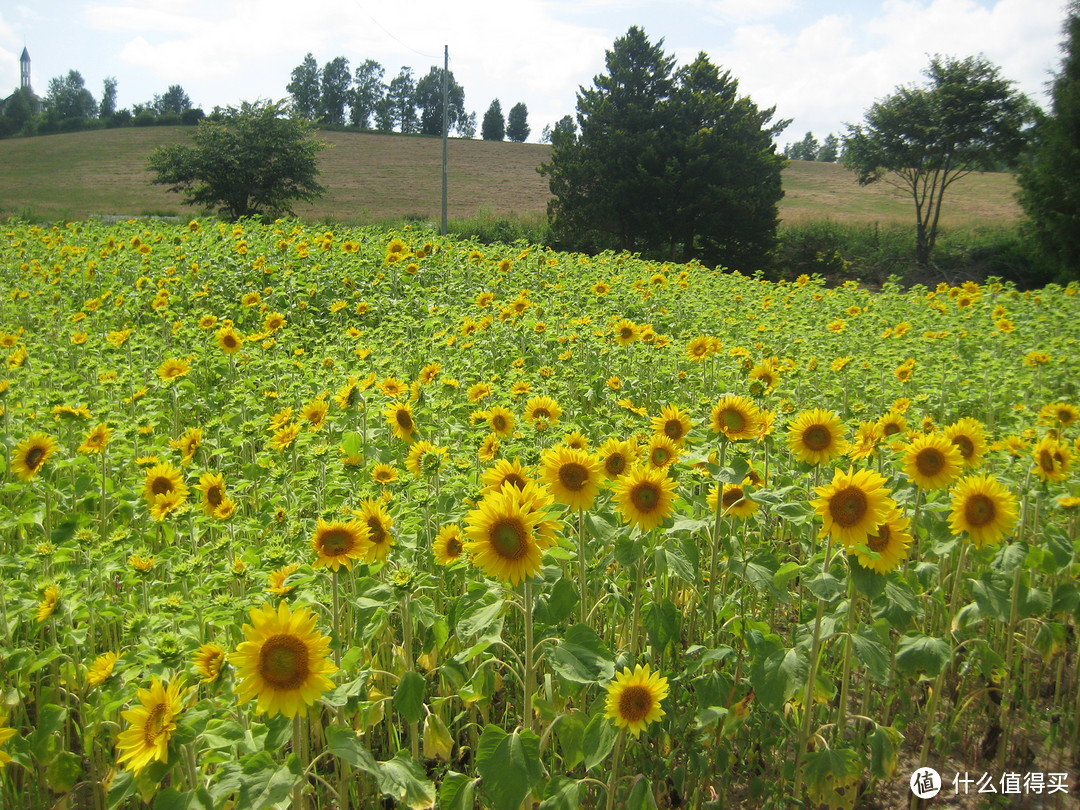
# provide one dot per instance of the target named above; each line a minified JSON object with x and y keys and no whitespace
{"x":931,"y":461}
{"x":208,"y":661}
{"x":284,"y":661}
{"x":983,"y":508}
{"x":853,"y":505}
{"x":502,"y":538}
{"x":500,"y":420}
{"x":543,"y":408}
{"x":338,"y":543}
{"x":212,"y":487}
{"x":969,"y":436}
{"x":645,"y":496}
{"x":889,"y":542}
{"x":163,"y":479}
{"x":672,"y":422}
{"x":634,"y":698}
{"x":448,"y":544}
{"x":373,"y":514}
{"x":816,"y":436}
{"x":151,"y":724}
{"x":736,"y":418}
{"x":102,"y":668}
{"x":31,"y":454}
{"x":277,"y":580}
{"x":572,"y":475}
{"x":399,"y":417}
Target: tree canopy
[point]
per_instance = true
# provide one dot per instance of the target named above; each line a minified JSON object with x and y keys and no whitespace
{"x":493,"y":127}
{"x":245,"y":161}
{"x":673,"y":164}
{"x":429,"y":100}
{"x":1050,"y":180}
{"x":922,"y":139}
{"x":517,"y":123}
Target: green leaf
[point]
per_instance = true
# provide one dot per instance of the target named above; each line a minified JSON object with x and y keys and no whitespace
{"x":600,"y":736}
{"x":662,"y":623}
{"x":560,"y":604}
{"x":64,"y":771}
{"x":993,"y":595}
{"x":457,"y":792}
{"x":866,"y":581}
{"x":679,"y":563}
{"x":641,"y":795}
{"x":832,"y":777}
{"x":172,"y":799}
{"x":562,"y":793}
{"x":825,"y":586}
{"x":260,"y":792}
{"x":628,"y":550}
{"x":404,"y":779}
{"x":409,"y":697}
{"x":477,"y":612}
{"x":343,"y":742}
{"x":872,"y":654}
{"x":46,"y":738}
{"x":898,"y":605}
{"x":776,"y":672}
{"x":918,"y":653}
{"x":509,"y":765}
{"x":581,"y":657}
{"x":884,"y":751}
{"x":570,"y":731}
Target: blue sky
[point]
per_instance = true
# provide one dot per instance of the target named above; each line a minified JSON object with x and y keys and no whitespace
{"x":819,"y":63}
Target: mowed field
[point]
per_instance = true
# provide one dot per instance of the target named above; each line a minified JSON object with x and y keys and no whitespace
{"x":373,"y":177}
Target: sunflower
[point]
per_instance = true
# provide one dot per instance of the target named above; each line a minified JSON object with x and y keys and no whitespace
{"x":542,"y":407}
{"x":735,"y":501}
{"x":315,"y":413}
{"x":212,"y":487}
{"x":284,"y":661}
{"x":448,"y":544}
{"x":6,"y":733}
{"x":617,"y":456}
{"x":229,"y":340}
{"x":502,"y":536}
{"x":284,"y":436}
{"x":931,"y":461}
{"x":400,"y":418}
{"x":982,"y":507}
{"x":392,"y":387}
{"x":890,"y":541}
{"x":816,"y":436}
{"x":273,"y":322}
{"x":645,"y":496}
{"x":1063,"y":413}
{"x":101,"y":669}
{"x":626,"y":332}
{"x":167,"y":503}
{"x":163,"y":479}
{"x":48,"y":603}
{"x":173,"y":368}
{"x":736,"y":418}
{"x":573,"y":476}
{"x":208,"y":661}
{"x":31,"y":454}
{"x":339,"y":543}
{"x":698,"y":348}
{"x":504,"y":472}
{"x":500,"y":420}
{"x":892,"y":424}
{"x":382,"y":473}
{"x":479,"y":392}
{"x":970,"y":439}
{"x":576,"y":440}
{"x":867,"y":435}
{"x":429,"y":372}
{"x":151,"y":725}
{"x":1052,"y":459}
{"x":661,"y":452}
{"x":634,"y":698}
{"x":763,"y":377}
{"x":96,"y":439}
{"x":852,"y":506}
{"x":373,"y":514}
{"x":276,"y":579}
{"x":489,"y":448}
{"x":425,"y":459}
{"x":672,"y":422}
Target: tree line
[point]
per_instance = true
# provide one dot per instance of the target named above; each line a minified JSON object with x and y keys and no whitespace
{"x":337,"y":96}
{"x":69,"y":106}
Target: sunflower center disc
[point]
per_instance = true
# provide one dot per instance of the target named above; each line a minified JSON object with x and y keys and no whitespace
{"x":33,"y":457}
{"x":930,"y":461}
{"x":404,"y":420}
{"x":979,"y":511}
{"x":213,"y":496}
{"x":283,"y":661}
{"x":645,"y":496}
{"x":890,"y":429}
{"x":615,"y":464}
{"x":817,"y":437}
{"x":161,"y":485}
{"x":880,"y":541}
{"x":635,"y":703}
{"x":514,"y":480}
{"x":732,"y":420}
{"x":1046,"y":460}
{"x":375,"y":527}
{"x":573,"y":476}
{"x":155,"y":724}
{"x":966,"y":446}
{"x":673,"y":429}
{"x":660,"y":456}
{"x":732,"y":497}
{"x":498,"y":423}
{"x":848,"y":506}
{"x":336,"y":541}
{"x":508,"y":539}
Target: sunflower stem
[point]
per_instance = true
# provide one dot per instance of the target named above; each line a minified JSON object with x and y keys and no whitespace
{"x":714,"y":564}
{"x":613,"y":781}
{"x":530,"y":675}
{"x":808,"y":697}
{"x":582,"y":583}
{"x":635,"y":622}
{"x":845,"y":677}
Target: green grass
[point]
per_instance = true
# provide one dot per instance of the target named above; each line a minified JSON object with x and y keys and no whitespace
{"x":381,"y":178}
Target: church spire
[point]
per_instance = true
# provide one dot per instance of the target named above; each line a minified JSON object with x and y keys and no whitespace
{"x":24,"y":70}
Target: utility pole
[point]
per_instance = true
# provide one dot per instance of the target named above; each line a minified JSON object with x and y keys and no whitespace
{"x":445,"y":127}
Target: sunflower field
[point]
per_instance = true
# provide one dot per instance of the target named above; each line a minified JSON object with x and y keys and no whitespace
{"x":376,"y":518}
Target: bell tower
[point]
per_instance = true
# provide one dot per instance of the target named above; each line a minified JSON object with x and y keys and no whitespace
{"x":24,"y":71}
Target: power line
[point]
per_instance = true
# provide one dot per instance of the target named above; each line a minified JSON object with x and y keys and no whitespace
{"x":389,"y":34}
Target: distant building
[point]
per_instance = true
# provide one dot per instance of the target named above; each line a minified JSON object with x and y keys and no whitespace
{"x":24,"y":86}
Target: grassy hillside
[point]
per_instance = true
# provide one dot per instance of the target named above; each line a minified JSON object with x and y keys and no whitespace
{"x":377,"y":177}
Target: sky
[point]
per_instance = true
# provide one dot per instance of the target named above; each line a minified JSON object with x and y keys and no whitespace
{"x":821,"y":63}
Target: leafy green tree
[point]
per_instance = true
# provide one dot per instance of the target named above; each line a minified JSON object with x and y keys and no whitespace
{"x":806,"y":149}
{"x":336,"y":80}
{"x":18,"y":112}
{"x":922,"y":139}
{"x":245,"y":162}
{"x":517,"y":126}
{"x":564,"y":126}
{"x":830,"y":149}
{"x":1050,"y":180}
{"x":493,"y":127}
{"x":668,"y":164}
{"x":174,"y":100}
{"x":368,"y":90}
{"x":466,"y":127}
{"x":401,"y":98}
{"x":429,"y":100}
{"x":304,"y":88}
{"x":107,"y":107}
{"x":69,"y":99}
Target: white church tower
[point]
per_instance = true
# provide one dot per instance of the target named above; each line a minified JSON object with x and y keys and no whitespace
{"x":24,"y":71}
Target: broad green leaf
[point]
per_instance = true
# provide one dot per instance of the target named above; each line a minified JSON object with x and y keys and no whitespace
{"x":46,"y":738}
{"x":570,"y":731}
{"x":661,"y":621}
{"x":884,"y":751}
{"x":581,"y":657}
{"x":872,"y":654}
{"x":777,"y":672}
{"x":641,"y":795}
{"x":409,"y":697}
{"x":993,"y":595}
{"x":832,"y":777}
{"x":344,"y":743}
{"x":600,"y":736}
{"x":825,"y":586}
{"x":866,"y":581}
{"x":172,"y":799}
{"x":477,"y":613}
{"x":404,"y":779}
{"x":560,"y":604}
{"x":457,"y":792}
{"x":921,"y":654}
{"x":64,"y":771}
{"x":562,"y":793}
{"x":509,"y":765}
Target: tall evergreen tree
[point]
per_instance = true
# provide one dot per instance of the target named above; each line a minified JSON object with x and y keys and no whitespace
{"x":517,"y":126}
{"x":336,"y":80}
{"x":493,"y":127}
{"x":401,"y":97}
{"x":368,"y":90}
{"x":1050,"y":180}
{"x":830,"y":149}
{"x":107,"y":107}
{"x":304,"y":89}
